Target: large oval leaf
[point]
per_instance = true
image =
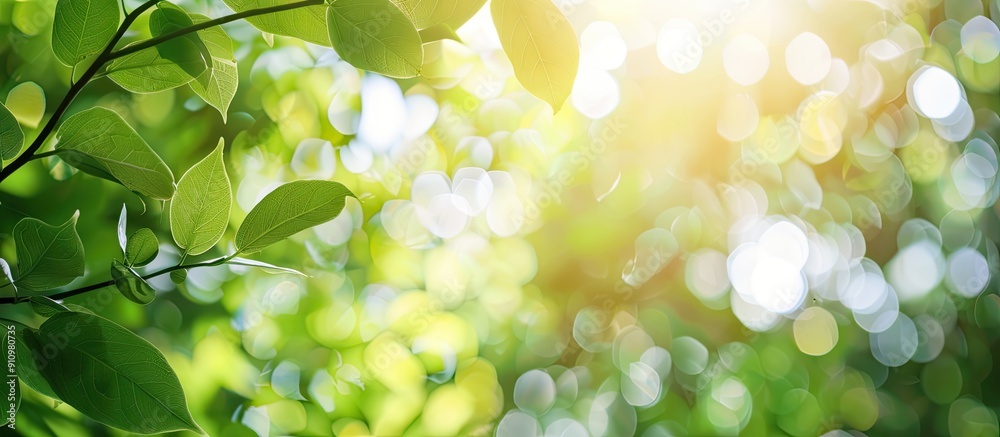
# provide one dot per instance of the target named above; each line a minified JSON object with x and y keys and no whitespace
{"x":130,"y":284}
{"x":110,"y":374}
{"x":146,"y":71}
{"x":11,"y":135}
{"x":217,"y":86}
{"x":167,"y":65}
{"x":99,"y":142}
{"x":289,"y":209}
{"x":45,"y":306}
{"x":27,"y":372}
{"x":429,"y":13}
{"x":307,"y":24}
{"x":199,"y":212}
{"x":375,"y":35}
{"x":47,"y":256}
{"x":83,"y":27}
{"x":541,"y":45}
{"x":415,"y":10}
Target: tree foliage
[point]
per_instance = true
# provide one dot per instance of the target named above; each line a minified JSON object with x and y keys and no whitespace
{"x":98,"y":367}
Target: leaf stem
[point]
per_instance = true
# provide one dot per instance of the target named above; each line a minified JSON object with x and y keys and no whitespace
{"x":211,"y":23}
{"x":43,"y":155}
{"x":110,"y":54}
{"x":70,"y":293}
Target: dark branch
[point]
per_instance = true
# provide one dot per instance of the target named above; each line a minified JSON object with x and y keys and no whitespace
{"x":28,"y":154}
{"x":108,"y":283}
{"x":211,"y":23}
{"x":109,"y":54}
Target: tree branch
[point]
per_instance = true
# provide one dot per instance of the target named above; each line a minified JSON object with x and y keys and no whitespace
{"x":110,"y":53}
{"x":211,"y":23}
{"x":43,"y":155}
{"x":108,"y":283}
{"x":75,"y":89}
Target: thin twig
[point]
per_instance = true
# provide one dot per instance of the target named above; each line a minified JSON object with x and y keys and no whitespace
{"x":127,"y":50}
{"x":108,"y":283}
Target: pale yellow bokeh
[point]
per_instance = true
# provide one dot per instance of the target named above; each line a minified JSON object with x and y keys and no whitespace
{"x":815,"y":331}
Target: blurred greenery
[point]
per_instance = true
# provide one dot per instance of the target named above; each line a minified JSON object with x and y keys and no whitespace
{"x":687,"y":247}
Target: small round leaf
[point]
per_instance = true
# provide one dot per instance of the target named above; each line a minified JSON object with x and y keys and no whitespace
{"x":130,"y":284}
{"x":141,"y":248}
{"x":178,"y":276}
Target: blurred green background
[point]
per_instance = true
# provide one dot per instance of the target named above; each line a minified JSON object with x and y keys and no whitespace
{"x":729,"y":229}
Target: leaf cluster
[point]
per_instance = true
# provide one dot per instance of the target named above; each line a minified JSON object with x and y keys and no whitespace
{"x":104,"y":370}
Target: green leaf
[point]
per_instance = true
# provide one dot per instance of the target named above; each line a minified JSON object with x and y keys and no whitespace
{"x":168,"y":18}
{"x":167,"y":65}
{"x":110,"y":374}
{"x":452,"y":13}
{"x":217,"y":41}
{"x":199,"y":212}
{"x":46,"y":307}
{"x":416,"y":11}
{"x":27,"y":369}
{"x":99,"y":142}
{"x":122,"y":221}
{"x":178,"y":276}
{"x":217,"y":86}
{"x":146,"y":71}
{"x":11,"y":136}
{"x":77,"y":308}
{"x":307,"y":24}
{"x":289,"y":209}
{"x":541,"y":45}
{"x":130,"y":284}
{"x":438,"y":32}
{"x":47,"y":256}
{"x":375,"y":35}
{"x":142,"y":248}
{"x":269,"y":268}
{"x":83,"y":27}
